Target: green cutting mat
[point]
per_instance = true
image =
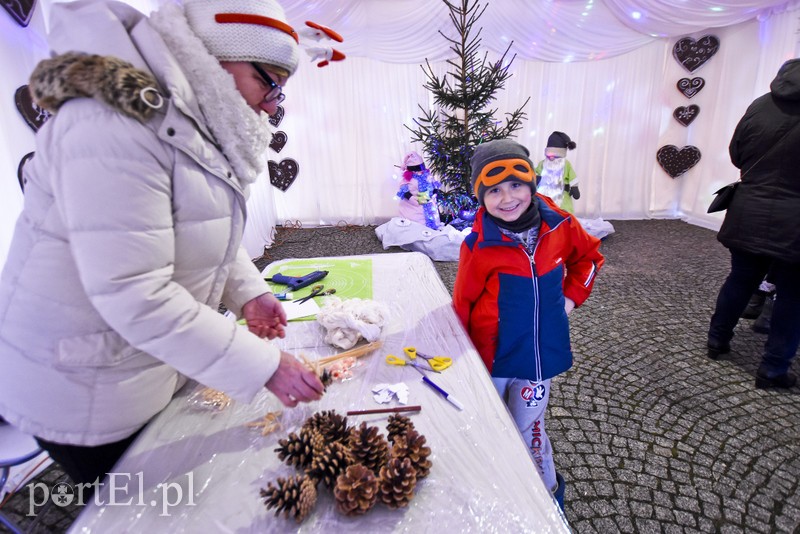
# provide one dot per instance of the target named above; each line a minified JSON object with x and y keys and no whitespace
{"x":352,"y":278}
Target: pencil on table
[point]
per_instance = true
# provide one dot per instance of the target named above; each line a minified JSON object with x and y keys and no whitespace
{"x":386,"y":410}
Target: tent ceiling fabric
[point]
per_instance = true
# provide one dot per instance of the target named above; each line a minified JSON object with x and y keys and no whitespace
{"x":406,"y":31}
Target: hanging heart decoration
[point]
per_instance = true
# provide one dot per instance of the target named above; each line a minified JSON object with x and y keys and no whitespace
{"x":676,"y":161}
{"x":685,"y":115}
{"x":22,"y":162}
{"x":278,"y":141}
{"x":34,"y":115}
{"x":689,"y":88}
{"x":282,"y":175}
{"x":20,"y":10}
{"x":693,"y":54}
{"x":276,"y":119}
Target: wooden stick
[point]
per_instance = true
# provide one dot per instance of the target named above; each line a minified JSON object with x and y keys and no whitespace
{"x":352,"y":353}
{"x":311,"y":366}
{"x":387,"y":410}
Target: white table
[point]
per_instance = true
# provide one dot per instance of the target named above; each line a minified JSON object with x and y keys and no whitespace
{"x":482,"y":479}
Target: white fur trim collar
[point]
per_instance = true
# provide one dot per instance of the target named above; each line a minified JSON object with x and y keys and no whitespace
{"x":243,"y":134}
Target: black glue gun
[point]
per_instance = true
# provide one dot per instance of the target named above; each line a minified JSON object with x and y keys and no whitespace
{"x":297,"y":282}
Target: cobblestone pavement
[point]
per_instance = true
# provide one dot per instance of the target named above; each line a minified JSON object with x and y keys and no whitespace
{"x":650,"y":435}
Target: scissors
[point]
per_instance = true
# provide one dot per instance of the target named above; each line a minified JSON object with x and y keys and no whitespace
{"x":391,"y":359}
{"x":436,"y":363}
{"x":316,"y":291}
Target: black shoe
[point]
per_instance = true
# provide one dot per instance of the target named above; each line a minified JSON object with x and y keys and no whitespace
{"x":755,"y":305}
{"x":761,"y":325}
{"x":785,"y":381}
{"x":558,"y":495}
{"x":715,"y":351}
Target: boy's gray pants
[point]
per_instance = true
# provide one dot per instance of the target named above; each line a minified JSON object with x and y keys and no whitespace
{"x":527,"y":402}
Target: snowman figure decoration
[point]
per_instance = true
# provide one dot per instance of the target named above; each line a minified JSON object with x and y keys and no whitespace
{"x":417,"y":193}
{"x":557,"y":177}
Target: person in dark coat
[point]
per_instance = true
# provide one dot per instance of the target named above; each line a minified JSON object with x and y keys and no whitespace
{"x":761,"y":228}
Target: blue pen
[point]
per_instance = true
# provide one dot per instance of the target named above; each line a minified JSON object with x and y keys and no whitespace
{"x":443,"y":393}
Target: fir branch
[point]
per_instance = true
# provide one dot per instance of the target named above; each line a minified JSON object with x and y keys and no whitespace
{"x":462,"y":117}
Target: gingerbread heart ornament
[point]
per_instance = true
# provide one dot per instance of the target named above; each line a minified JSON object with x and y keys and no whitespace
{"x":278,"y":141}
{"x":685,"y":115}
{"x":282,"y":175}
{"x":693,"y":54}
{"x":676,"y":161}
{"x":20,"y":10}
{"x":34,"y":115}
{"x":276,"y":119}
{"x":20,"y":176}
{"x":689,"y":88}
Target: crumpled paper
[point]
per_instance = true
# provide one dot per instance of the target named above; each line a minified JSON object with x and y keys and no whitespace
{"x":384,"y":393}
{"x":347,"y":321}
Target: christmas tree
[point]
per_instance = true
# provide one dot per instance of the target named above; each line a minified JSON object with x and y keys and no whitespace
{"x":462,"y":117}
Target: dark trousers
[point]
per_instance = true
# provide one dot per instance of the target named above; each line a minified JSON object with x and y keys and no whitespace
{"x":83,"y":464}
{"x":747,"y":271}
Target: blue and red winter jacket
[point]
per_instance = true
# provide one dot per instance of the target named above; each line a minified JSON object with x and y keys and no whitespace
{"x":512,"y":307}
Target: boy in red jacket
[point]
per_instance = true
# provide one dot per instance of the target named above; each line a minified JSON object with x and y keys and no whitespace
{"x":524,"y":267}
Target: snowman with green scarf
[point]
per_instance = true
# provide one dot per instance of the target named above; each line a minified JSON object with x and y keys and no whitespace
{"x":557,"y":178}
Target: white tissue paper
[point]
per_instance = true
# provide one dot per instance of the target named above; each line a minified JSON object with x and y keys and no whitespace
{"x":384,"y":393}
{"x":347,"y":321}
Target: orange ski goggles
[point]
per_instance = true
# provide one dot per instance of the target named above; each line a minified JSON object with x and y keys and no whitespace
{"x":500,"y":170}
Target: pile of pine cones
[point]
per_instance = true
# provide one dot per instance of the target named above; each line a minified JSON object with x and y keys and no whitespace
{"x":357,"y":463}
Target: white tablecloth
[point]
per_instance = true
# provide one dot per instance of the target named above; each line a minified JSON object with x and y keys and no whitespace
{"x":211,"y":466}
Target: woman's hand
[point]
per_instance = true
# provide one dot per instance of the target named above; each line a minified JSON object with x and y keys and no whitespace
{"x":293,"y":382}
{"x":265,"y":316}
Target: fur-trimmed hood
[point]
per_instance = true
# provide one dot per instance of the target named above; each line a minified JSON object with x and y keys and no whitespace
{"x":109,"y":80}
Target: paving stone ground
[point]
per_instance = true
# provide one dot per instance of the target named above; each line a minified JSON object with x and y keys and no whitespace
{"x":650,"y":435}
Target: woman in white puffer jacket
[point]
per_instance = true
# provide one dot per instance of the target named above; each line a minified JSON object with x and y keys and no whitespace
{"x":131,"y":229}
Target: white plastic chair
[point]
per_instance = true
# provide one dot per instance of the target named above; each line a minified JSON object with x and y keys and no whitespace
{"x":16,"y":448}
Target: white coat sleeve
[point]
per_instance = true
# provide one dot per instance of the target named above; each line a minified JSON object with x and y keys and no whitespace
{"x":115,"y":196}
{"x":244,"y":283}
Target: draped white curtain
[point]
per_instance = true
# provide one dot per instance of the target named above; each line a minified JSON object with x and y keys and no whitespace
{"x":612,"y":89}
{"x":407,"y":31}
{"x":600,"y":70}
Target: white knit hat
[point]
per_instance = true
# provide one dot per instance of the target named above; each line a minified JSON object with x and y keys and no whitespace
{"x":245,"y":30}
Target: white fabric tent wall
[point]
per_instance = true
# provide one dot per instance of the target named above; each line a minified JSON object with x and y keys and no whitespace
{"x":606,"y":80}
{"x":349,"y":135}
{"x":20,"y":50}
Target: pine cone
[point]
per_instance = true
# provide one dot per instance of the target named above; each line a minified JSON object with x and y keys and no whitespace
{"x":369,"y":447}
{"x":297,"y":449}
{"x":294,"y":496}
{"x":412,"y":446}
{"x":397,"y":426}
{"x":397,"y":482}
{"x":356,"y":490}
{"x":326,"y":378}
{"x":330,"y":424}
{"x":329,"y":462}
